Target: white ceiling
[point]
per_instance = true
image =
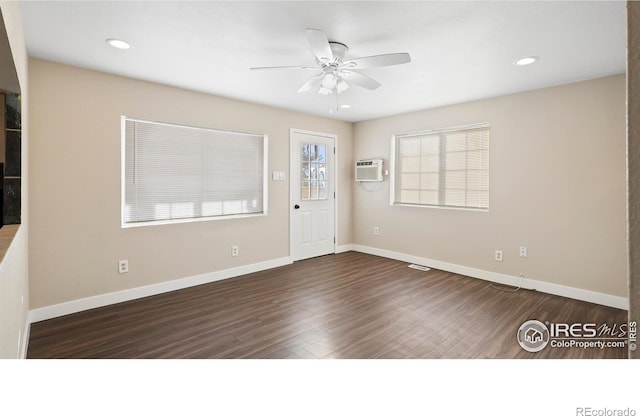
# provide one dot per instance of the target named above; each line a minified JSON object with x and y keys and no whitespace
{"x":461,"y":51}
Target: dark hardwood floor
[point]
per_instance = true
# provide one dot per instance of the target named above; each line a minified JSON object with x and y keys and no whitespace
{"x":349,"y":305}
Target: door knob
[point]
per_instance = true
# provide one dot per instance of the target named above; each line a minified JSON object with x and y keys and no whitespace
{"x":296,"y":206}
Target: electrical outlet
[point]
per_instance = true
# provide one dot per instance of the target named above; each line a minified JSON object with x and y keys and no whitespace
{"x":376,"y":231}
{"x":498,"y":255}
{"x":523,"y":252}
{"x":123,"y":266}
{"x":234,"y":251}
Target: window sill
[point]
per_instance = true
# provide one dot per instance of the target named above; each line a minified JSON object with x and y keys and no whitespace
{"x":7,"y":233}
{"x":453,"y":208}
{"x":187,"y":220}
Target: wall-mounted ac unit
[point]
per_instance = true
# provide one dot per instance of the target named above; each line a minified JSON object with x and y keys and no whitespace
{"x":369,"y":170}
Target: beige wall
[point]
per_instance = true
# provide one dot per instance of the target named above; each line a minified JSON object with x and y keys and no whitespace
{"x":14,"y":272}
{"x":557,"y":187}
{"x":76,"y":239}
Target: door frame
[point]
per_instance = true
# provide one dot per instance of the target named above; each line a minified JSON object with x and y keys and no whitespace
{"x":294,"y":187}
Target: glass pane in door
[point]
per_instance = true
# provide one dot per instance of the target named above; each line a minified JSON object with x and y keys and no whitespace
{"x":313,"y":172}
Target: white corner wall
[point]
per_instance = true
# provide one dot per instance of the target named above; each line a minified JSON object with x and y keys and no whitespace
{"x":14,"y":271}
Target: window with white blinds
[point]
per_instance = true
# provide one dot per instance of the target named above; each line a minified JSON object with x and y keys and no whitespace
{"x":175,"y":173}
{"x":444,"y":168}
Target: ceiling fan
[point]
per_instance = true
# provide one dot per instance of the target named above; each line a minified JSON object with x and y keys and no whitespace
{"x":335,"y":73}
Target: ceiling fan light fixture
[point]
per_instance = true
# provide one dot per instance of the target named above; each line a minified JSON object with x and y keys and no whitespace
{"x":324,"y":91}
{"x":329,"y":81}
{"x":341,"y":86}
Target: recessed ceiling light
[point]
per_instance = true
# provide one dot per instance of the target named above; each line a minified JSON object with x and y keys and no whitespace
{"x":345,"y":106}
{"x":526,"y":61}
{"x":117,"y":43}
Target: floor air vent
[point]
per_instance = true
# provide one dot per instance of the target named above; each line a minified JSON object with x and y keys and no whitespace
{"x":418,"y":267}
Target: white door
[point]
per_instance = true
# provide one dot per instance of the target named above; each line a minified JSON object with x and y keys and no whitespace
{"x":312,"y":198}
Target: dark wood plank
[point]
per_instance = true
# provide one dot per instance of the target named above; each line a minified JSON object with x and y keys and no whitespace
{"x":349,"y":305}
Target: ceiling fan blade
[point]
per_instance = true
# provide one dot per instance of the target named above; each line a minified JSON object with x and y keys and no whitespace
{"x":311,"y":82}
{"x":378,"y":60}
{"x":282,"y":67}
{"x":319,"y":45}
{"x":360,"y":79}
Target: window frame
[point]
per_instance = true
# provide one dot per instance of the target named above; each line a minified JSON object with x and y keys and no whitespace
{"x":393,"y":163}
{"x":265,"y":177}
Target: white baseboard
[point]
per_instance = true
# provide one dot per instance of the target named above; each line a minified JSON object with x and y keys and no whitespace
{"x":98,"y":301}
{"x":551,"y":288}
{"x":344,"y":248}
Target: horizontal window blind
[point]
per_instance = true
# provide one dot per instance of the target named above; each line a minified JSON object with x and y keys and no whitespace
{"x":447,"y":168}
{"x":174,"y":172}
